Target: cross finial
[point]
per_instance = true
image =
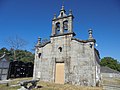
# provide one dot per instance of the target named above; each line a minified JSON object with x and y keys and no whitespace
{"x":62,"y":7}
{"x":70,"y":12}
{"x":63,"y":3}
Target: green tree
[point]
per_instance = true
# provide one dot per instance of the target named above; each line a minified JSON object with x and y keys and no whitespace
{"x":21,"y":55}
{"x":24,"y":55}
{"x":2,"y":50}
{"x":110,"y":62}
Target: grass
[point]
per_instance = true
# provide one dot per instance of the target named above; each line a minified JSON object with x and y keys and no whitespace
{"x":53,"y":86}
{"x":5,"y":87}
{"x":46,"y":86}
{"x":111,"y":81}
{"x":12,"y":82}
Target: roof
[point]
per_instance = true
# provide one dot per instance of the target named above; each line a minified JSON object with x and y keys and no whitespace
{"x":1,"y":57}
{"x":84,"y":41}
{"x":43,"y":44}
{"x":4,"y":57}
{"x":105,"y":69}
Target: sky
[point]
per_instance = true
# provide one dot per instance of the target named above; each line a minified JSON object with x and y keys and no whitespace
{"x":30,"y":19}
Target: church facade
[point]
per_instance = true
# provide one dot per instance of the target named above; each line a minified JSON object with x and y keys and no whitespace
{"x":65,"y":59}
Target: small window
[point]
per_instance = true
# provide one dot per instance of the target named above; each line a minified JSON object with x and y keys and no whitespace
{"x":61,"y":14}
{"x":91,"y":45}
{"x":39,"y":55}
{"x":60,"y":49}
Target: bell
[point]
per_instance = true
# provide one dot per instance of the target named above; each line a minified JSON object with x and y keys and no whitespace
{"x":57,"y":27}
{"x":65,"y":26}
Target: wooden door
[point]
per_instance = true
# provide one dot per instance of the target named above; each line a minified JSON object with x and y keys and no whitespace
{"x":59,"y":74}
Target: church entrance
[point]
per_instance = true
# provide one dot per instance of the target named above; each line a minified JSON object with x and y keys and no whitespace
{"x":59,"y":73}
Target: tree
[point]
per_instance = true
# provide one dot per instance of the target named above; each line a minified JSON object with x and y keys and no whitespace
{"x":25,"y":56}
{"x":15,"y":44}
{"x":110,"y":62}
{"x":21,"y":55}
{"x":2,"y":50}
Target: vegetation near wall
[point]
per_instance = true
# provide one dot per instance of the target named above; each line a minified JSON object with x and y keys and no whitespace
{"x":111,"y":63}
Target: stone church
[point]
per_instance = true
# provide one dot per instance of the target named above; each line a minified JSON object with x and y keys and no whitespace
{"x":66,"y":59}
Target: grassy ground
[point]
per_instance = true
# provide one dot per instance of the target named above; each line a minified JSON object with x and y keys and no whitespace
{"x":46,"y":86}
{"x":12,"y":82}
{"x":4,"y":87}
{"x":53,"y":86}
{"x":111,"y":81}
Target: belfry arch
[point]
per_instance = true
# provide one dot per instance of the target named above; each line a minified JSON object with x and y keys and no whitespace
{"x":65,"y":26}
{"x":57,"y":28}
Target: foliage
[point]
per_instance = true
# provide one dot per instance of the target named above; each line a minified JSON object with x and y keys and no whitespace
{"x":111,"y":63}
{"x":21,"y":55}
{"x":13,"y":82}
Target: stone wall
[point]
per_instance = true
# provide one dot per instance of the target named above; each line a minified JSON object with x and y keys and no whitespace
{"x":110,"y":75}
{"x":79,"y":59}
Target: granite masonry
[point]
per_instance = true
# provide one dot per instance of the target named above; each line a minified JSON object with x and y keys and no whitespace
{"x":65,"y":59}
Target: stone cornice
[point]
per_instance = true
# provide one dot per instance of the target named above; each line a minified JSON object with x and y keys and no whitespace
{"x":63,"y":17}
{"x":63,"y":34}
{"x":42,"y":45}
{"x":84,"y":41}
